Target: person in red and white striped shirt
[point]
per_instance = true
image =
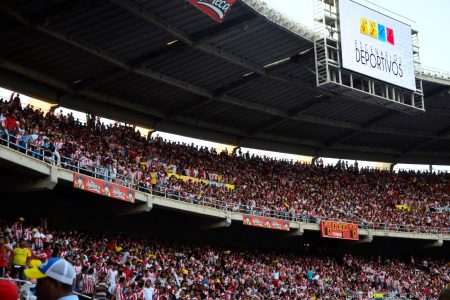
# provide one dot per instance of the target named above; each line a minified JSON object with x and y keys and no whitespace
{"x":17,"y":228}
{"x":27,"y":234}
{"x":139,"y":291}
{"x":118,"y":291}
{"x":89,"y":283}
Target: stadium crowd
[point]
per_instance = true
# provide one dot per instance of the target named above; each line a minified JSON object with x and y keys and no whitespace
{"x":411,"y":201}
{"x":121,"y":267}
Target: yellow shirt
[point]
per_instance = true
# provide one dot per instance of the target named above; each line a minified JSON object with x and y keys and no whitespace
{"x":153,"y":177}
{"x":20,"y":256}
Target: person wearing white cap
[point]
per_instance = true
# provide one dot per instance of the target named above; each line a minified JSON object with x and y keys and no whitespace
{"x":54,"y":279}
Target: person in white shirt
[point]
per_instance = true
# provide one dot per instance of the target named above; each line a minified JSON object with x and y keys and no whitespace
{"x":148,"y":290}
{"x":49,"y":237}
{"x":112,"y":278}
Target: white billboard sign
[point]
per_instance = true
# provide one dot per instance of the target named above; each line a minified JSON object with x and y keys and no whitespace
{"x":375,"y":45}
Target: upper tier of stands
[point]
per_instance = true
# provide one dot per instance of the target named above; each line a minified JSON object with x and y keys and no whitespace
{"x":410,"y":201}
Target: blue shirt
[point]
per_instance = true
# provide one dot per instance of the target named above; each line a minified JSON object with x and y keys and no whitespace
{"x":26,"y":138}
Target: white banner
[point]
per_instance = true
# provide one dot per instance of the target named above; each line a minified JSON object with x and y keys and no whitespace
{"x":375,"y":45}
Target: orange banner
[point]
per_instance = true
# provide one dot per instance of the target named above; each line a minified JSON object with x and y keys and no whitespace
{"x":263,"y":222}
{"x":339,"y":230}
{"x":104,"y":188}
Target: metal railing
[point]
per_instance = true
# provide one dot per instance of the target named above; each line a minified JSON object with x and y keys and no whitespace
{"x":32,"y":286}
{"x":70,"y":164}
{"x":435,"y":72}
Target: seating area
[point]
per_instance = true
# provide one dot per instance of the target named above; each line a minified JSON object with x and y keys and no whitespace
{"x":407,"y":201}
{"x":147,"y":268}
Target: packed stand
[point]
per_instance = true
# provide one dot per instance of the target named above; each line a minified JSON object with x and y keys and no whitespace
{"x":410,"y":201}
{"x":122,"y":267}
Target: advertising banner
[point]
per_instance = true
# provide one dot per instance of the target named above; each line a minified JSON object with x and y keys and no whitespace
{"x":216,"y":9}
{"x":375,"y":45}
{"x":104,"y":188}
{"x":208,"y":182}
{"x":378,"y":296}
{"x":339,"y":230}
{"x":441,"y":209}
{"x":263,"y":222}
{"x":403,"y":207}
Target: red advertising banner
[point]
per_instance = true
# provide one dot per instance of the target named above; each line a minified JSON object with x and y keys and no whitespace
{"x":216,"y":9}
{"x":104,"y":188}
{"x":263,"y":222}
{"x":339,"y":230}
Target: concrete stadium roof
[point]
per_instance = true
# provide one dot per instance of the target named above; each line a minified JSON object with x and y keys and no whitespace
{"x":248,"y":81}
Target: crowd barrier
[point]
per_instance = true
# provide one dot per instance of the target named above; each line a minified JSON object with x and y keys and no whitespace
{"x":24,"y":294}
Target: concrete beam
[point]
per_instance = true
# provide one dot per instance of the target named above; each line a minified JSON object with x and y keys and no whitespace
{"x":404,"y":235}
{"x":364,"y":239}
{"x":30,"y":183}
{"x":295,"y":232}
{"x":438,"y":243}
{"x":219,"y":224}
{"x":52,"y":180}
{"x":19,"y":159}
{"x":138,"y":208}
{"x":25,"y":185}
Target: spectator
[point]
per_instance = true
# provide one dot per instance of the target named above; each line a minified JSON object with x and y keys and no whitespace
{"x":5,"y":251}
{"x":8,"y":290}
{"x":21,"y":258}
{"x":101,"y":288}
{"x":174,"y":270}
{"x":54,"y":280}
{"x":148,"y":290}
{"x":15,"y":101}
{"x":445,"y":294}
{"x":407,"y":201}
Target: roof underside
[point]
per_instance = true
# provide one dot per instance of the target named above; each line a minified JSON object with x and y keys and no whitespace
{"x":248,"y":81}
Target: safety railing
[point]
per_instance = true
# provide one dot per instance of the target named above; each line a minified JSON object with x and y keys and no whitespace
{"x":26,"y":293}
{"x":435,"y":72}
{"x":103,"y":173}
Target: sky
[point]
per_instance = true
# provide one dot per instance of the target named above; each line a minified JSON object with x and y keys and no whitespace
{"x":429,"y":17}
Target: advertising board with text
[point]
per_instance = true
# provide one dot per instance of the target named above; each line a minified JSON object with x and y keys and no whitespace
{"x":339,"y":230}
{"x":375,"y":45}
{"x":104,"y":188}
{"x":264,"y":222}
